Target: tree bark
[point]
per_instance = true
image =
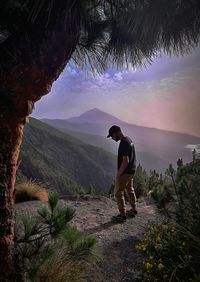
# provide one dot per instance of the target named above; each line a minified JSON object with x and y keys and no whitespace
{"x":11,"y":133}
{"x":22,"y":83}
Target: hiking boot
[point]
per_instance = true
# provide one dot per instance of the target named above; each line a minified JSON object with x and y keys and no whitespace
{"x":131,"y":213}
{"x":119,"y":218}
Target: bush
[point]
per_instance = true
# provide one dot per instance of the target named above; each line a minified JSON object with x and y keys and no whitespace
{"x":170,"y":254}
{"x":47,"y":248}
{"x":172,"y":250}
{"x":140,"y":182}
{"x":90,"y":190}
{"x":29,"y":191}
{"x":188,"y":197}
{"x":161,"y":195}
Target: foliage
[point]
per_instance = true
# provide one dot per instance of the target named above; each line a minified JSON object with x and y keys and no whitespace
{"x":154,"y":179}
{"x":91,"y":190}
{"x":82,"y":192}
{"x":140,"y":182}
{"x":30,"y":190}
{"x":159,"y":188}
{"x":170,"y":254}
{"x":113,"y":33}
{"x":163,"y":188}
{"x":172,"y":249}
{"x":161,"y":195}
{"x":178,"y":191}
{"x":48,"y":248}
{"x":117,"y":33}
{"x":188,"y":196}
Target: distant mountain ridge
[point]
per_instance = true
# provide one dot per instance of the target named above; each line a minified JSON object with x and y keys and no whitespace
{"x":98,"y":116}
{"x":155,"y":148}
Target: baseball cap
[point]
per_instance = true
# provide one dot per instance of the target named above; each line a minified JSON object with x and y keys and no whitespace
{"x":113,"y":129}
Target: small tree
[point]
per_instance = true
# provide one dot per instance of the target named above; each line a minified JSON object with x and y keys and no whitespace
{"x":179,"y":163}
{"x":47,"y":248}
{"x":91,"y":190}
{"x":140,"y":182}
{"x":153,"y":179}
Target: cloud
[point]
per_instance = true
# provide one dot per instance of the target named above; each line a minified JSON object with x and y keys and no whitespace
{"x":164,"y":95}
{"x":193,"y":147}
{"x":118,"y":76}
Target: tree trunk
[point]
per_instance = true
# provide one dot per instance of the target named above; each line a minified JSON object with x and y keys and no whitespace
{"x":22,"y":83}
{"x":11,"y":133}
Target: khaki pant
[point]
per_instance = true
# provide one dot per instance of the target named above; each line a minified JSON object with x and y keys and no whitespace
{"x":122,"y":183}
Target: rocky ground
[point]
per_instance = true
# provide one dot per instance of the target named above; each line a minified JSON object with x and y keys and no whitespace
{"x":120,"y":261}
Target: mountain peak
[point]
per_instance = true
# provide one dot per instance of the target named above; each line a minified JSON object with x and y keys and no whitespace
{"x":93,"y":111}
{"x":96,"y":115}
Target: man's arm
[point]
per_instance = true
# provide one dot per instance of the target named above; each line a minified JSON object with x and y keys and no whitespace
{"x":123,"y":166}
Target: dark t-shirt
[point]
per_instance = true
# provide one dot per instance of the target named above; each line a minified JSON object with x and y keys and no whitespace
{"x":126,"y":148}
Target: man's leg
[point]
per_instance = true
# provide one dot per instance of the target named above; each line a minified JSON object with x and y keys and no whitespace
{"x":131,"y":193}
{"x":119,"y":194}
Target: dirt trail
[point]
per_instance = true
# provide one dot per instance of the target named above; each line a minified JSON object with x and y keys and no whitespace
{"x":116,"y":242}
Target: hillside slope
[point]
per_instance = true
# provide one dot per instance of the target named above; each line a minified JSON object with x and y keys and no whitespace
{"x":63,"y":162}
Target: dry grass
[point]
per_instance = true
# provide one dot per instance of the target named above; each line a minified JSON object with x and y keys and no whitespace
{"x":62,"y":267}
{"x":29,"y":191}
{"x":59,"y":268}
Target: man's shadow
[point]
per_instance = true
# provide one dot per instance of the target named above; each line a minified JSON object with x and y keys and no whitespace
{"x":101,"y":227}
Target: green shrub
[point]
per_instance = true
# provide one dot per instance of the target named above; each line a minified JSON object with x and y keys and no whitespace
{"x":81,"y":191}
{"x":47,"y":248}
{"x":140,"y":182}
{"x":91,"y":190}
{"x":161,"y":195}
{"x":172,"y":251}
{"x":170,"y":254}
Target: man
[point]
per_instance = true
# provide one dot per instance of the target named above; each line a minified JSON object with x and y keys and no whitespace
{"x":125,"y":172}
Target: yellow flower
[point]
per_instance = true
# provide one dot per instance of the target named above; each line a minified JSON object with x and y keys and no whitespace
{"x":188,"y":257}
{"x":144,"y":247}
{"x":153,"y":229}
{"x":139,"y":247}
{"x":150,"y":257}
{"x":160,"y":266}
{"x":158,"y":246}
{"x":165,"y":226}
{"x":158,"y":238}
{"x":149,"y":266}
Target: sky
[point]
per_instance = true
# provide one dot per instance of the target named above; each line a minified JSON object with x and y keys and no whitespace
{"x":164,"y":95}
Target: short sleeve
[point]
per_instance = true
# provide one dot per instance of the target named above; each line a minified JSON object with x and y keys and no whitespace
{"x":125,"y":149}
